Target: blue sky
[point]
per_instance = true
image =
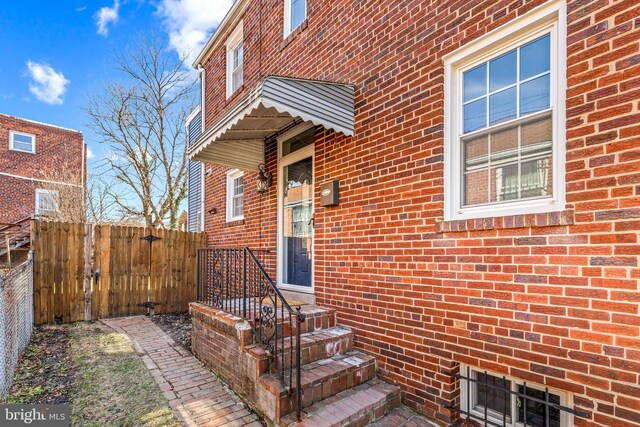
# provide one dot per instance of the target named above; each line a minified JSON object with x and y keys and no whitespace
{"x":56,"y":53}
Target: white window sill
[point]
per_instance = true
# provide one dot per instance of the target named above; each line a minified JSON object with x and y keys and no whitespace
{"x":22,"y":151}
{"x":524,"y":207}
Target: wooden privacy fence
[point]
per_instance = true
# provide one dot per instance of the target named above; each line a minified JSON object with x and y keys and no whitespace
{"x":87,"y":272}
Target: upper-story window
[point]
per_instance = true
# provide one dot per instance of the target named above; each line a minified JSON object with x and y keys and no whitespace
{"x":47,"y":202}
{"x":235,"y":195}
{"x":505,"y":130}
{"x":235,"y":61}
{"x":19,"y":141}
{"x":295,"y":11}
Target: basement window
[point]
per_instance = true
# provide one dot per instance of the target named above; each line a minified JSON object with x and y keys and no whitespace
{"x":504,"y":121}
{"x":23,"y":142}
{"x":235,"y":195}
{"x":510,"y":402}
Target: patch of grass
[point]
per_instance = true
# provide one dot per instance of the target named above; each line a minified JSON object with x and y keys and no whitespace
{"x":113,"y":385}
{"x":25,"y":395}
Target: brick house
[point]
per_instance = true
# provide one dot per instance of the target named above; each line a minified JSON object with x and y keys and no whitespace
{"x":42,"y":170}
{"x":484,"y":244}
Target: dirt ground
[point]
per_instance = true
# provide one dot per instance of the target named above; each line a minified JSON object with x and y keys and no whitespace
{"x":177,"y":326}
{"x":45,"y":373}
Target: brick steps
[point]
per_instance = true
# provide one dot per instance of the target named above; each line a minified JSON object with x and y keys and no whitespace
{"x":339,"y":385}
{"x":319,"y":345}
{"x":356,"y":406}
{"x":314,"y":346}
{"x":324,"y":378}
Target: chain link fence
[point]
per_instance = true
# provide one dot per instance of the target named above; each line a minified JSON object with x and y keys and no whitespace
{"x":16,"y":318}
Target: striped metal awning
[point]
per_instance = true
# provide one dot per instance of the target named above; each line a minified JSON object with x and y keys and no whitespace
{"x":237,"y":138}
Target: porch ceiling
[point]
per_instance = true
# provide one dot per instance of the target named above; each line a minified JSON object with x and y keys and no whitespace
{"x":237,"y":138}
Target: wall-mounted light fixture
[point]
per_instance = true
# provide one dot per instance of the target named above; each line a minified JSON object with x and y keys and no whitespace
{"x":264,"y":180}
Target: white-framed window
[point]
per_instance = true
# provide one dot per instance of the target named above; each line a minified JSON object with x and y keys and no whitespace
{"x":235,"y":60}
{"x":510,"y":401}
{"x":235,"y":195}
{"x":20,"y":141}
{"x":47,"y":201}
{"x":295,"y":11}
{"x":504,"y":119}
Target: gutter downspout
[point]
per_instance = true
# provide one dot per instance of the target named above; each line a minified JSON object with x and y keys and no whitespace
{"x":84,"y":178}
{"x":202,"y":72}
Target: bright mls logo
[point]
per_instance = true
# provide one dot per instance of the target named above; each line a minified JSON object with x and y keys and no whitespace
{"x":35,"y":415}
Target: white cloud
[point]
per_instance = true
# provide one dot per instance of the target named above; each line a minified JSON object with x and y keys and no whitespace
{"x":80,"y":9}
{"x":46,"y":84}
{"x":90,"y":154}
{"x":191,"y":22}
{"x":105,"y":16}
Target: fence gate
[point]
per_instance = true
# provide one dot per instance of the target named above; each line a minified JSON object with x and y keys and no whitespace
{"x":134,"y":270}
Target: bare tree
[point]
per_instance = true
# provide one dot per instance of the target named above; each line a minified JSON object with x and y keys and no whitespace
{"x":142,"y":120}
{"x":101,"y":207}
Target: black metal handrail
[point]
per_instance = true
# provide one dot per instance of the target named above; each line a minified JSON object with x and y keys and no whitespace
{"x":234,"y":280}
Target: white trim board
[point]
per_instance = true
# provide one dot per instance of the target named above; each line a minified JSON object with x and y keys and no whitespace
{"x":41,"y":180}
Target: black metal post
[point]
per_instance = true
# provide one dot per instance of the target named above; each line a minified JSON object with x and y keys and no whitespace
{"x":468,"y":390}
{"x":298,"y":373}
{"x":485,"y":398}
{"x":546,"y":406}
{"x":198,"y":286}
{"x":244,"y":284}
{"x":525,"y":402}
{"x":507,"y":400}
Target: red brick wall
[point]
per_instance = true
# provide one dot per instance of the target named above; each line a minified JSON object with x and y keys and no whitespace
{"x":551,"y":299}
{"x":59,"y":157}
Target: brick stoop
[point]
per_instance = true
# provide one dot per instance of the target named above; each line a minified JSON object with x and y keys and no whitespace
{"x":326,"y":377}
{"x":336,"y":379}
{"x":357,"y":406}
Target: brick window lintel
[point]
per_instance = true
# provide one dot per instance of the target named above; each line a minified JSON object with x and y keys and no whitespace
{"x":549,"y":219}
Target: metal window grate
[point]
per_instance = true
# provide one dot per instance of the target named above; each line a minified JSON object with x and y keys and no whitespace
{"x":546,"y":413}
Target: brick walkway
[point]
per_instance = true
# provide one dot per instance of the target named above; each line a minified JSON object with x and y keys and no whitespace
{"x":197,"y":397}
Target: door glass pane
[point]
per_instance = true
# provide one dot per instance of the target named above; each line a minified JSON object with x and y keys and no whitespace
{"x":297,"y":142}
{"x":298,"y":227}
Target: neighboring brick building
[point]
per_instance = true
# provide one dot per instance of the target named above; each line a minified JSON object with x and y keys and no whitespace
{"x":42,"y":170}
{"x":489,"y":203}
